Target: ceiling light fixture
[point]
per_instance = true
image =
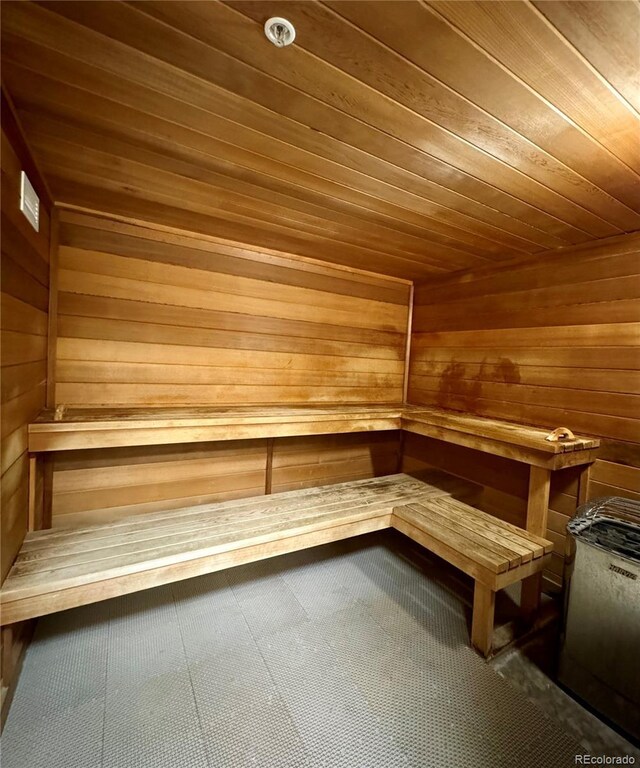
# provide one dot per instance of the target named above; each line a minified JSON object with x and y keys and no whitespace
{"x":279,"y":31}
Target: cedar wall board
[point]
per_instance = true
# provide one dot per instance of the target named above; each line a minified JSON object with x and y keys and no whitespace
{"x":147,"y":317}
{"x":24,"y":327}
{"x":553,"y":341}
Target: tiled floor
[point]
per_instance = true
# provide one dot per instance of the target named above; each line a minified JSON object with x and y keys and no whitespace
{"x":350,"y":655}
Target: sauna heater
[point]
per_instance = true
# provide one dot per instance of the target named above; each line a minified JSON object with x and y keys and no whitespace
{"x":600,"y":658}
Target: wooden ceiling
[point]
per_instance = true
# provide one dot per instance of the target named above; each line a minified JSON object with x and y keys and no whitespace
{"x":409,"y":138}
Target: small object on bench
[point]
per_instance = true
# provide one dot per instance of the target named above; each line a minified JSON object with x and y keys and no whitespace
{"x":58,"y":414}
{"x":492,"y":552}
{"x":561,"y":433}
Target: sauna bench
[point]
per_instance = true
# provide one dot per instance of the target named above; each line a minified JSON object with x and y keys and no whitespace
{"x":519,"y":442}
{"x":61,"y":568}
{"x":115,"y":428}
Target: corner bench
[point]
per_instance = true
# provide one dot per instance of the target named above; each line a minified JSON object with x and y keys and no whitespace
{"x":58,"y":569}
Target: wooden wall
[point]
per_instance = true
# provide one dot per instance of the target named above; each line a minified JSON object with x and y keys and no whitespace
{"x":552,"y":341}
{"x":24,"y":323}
{"x":147,"y":317}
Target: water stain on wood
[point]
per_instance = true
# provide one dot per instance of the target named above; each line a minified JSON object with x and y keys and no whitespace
{"x":462,"y":392}
{"x":506,"y":370}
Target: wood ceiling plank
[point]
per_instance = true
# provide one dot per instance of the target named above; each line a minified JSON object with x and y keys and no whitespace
{"x":457,"y":62}
{"x":388,"y":232}
{"x":205,"y":64}
{"x":305,"y":86}
{"x":76,"y":162}
{"x":271,"y":133}
{"x":607,"y":34}
{"x":561,"y":151}
{"x":170,"y":81}
{"x":542,"y":68}
{"x":140,"y":129}
{"x":358,"y":145}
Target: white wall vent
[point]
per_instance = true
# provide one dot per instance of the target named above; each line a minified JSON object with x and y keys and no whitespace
{"x":29,"y":202}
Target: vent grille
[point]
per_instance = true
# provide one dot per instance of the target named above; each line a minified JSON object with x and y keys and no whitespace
{"x":29,"y":202}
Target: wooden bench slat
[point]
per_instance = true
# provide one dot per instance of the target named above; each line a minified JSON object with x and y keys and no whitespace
{"x":109,"y":427}
{"x":250,"y":507}
{"x":460,"y":523}
{"x":513,"y":530}
{"x":361,"y":491}
{"x":456,"y":540}
{"x":489,"y":527}
{"x":59,"y":569}
{"x":41,"y":582}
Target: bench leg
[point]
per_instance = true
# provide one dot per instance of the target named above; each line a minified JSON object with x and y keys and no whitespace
{"x":484,"y":603}
{"x":536,"y":523}
{"x":530,"y":596}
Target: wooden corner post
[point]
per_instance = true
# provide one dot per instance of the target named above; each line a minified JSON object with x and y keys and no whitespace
{"x":536,"y":523}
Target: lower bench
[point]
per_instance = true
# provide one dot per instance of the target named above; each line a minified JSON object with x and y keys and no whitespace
{"x":61,"y":568}
{"x":494,"y":553}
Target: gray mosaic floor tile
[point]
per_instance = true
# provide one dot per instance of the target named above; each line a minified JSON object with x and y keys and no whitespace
{"x":66,"y":738}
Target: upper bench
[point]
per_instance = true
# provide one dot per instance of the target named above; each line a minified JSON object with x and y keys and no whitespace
{"x":118,"y":427}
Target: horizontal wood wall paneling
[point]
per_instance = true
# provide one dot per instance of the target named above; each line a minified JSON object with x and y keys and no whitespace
{"x":613,"y":257}
{"x":429,"y":375}
{"x":82,"y":313}
{"x":393,"y":289}
{"x":240,"y":228}
{"x":25,"y":279}
{"x":357,"y":142}
{"x":102,"y":485}
{"x":211,"y":472}
{"x":304,"y":462}
{"x":136,"y":330}
{"x":23,"y":325}
{"x":190,"y":252}
{"x":612,"y":479}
